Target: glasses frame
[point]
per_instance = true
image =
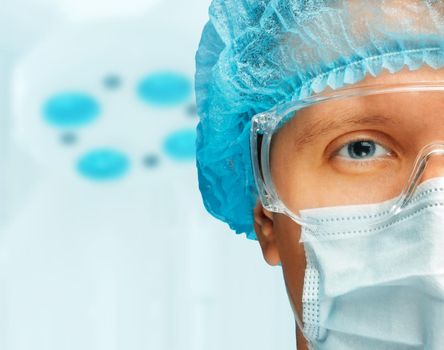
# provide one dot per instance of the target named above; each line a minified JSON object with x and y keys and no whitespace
{"x":264,"y":124}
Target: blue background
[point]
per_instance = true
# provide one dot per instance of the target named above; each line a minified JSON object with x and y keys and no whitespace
{"x":104,"y":240}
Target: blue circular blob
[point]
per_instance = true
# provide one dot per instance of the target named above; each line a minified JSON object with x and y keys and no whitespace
{"x":164,"y":88}
{"x":103,"y":164}
{"x":71,"y":109}
{"x":180,"y":145}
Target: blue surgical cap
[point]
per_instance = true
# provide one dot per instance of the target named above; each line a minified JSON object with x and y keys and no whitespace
{"x":255,"y":54}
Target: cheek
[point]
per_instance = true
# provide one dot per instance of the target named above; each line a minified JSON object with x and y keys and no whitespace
{"x":292,"y":256}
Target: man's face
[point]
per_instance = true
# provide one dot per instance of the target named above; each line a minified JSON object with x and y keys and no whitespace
{"x":312,"y":160}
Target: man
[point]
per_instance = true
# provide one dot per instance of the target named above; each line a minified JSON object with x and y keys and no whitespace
{"x":321,"y":124}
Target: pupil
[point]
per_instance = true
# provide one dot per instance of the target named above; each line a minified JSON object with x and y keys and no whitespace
{"x":361,"y":149}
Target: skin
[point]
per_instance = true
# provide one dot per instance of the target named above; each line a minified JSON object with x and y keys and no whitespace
{"x":279,"y":235}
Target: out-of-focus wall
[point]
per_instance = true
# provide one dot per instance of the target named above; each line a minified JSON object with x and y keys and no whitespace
{"x":104,"y":240}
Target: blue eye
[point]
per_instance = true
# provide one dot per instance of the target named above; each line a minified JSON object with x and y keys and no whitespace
{"x":362,"y":150}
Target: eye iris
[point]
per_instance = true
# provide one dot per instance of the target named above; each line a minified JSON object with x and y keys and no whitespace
{"x":361,"y":149}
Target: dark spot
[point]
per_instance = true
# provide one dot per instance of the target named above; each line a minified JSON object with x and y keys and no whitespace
{"x":68,"y":138}
{"x":151,"y":161}
{"x":112,"y":82}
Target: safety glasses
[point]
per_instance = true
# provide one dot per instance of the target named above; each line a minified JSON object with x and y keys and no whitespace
{"x":358,"y":145}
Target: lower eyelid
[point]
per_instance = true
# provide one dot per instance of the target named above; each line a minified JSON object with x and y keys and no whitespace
{"x":357,"y":166}
{"x":366,"y":160}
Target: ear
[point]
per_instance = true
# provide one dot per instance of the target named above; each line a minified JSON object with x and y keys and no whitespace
{"x":265,"y":231}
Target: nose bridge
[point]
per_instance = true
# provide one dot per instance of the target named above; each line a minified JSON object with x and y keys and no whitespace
{"x":434,"y":166}
{"x":429,"y":164}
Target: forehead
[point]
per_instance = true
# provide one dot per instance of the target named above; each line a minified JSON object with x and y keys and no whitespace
{"x":396,"y":113}
{"x":423,"y":74}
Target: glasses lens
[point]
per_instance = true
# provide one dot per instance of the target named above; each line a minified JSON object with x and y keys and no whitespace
{"x":356,"y":150}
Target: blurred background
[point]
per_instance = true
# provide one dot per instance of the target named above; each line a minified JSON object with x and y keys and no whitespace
{"x":104,"y":240}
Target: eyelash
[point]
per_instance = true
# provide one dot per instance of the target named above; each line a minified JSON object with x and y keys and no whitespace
{"x":345,"y":147}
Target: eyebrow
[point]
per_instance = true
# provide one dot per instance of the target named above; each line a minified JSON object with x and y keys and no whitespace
{"x":322,"y":127}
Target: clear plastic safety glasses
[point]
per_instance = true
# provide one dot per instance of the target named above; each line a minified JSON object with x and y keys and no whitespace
{"x":358,"y":145}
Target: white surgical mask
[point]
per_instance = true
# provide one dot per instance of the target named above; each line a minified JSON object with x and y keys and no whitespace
{"x":376,"y":288}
